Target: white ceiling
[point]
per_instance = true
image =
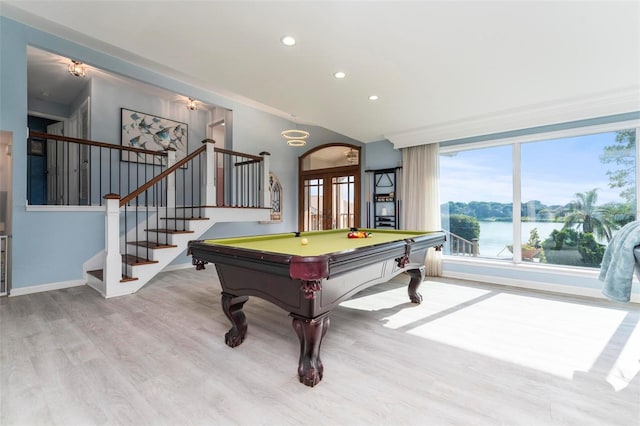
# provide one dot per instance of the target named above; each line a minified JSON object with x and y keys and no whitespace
{"x":431,"y":63}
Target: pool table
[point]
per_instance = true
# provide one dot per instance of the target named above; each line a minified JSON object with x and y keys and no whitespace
{"x":308,"y":274}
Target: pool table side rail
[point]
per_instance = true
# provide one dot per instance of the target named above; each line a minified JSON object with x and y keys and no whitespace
{"x":347,"y":261}
{"x":311,"y":267}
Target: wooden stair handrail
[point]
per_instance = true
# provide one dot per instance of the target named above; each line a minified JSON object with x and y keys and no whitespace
{"x":41,"y":135}
{"x":162,"y":175}
{"x":149,"y":184}
{"x":239,"y":154}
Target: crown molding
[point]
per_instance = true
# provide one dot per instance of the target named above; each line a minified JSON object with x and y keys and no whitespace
{"x":619,"y":101}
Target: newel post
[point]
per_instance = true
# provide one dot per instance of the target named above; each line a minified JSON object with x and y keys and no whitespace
{"x":210,"y":173}
{"x":112,"y":271}
{"x":171,"y":179}
{"x":266,"y":195}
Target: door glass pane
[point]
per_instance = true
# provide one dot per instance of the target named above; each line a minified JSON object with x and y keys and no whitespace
{"x":343,"y":213}
{"x":332,"y":156}
{"x":313,"y":211}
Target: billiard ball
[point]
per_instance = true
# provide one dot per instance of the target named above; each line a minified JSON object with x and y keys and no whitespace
{"x":304,"y":241}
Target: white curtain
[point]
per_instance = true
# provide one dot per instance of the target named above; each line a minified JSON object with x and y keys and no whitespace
{"x":421,"y":198}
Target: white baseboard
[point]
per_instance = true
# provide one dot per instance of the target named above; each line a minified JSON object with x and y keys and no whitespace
{"x":21,"y":291}
{"x":534,"y":285}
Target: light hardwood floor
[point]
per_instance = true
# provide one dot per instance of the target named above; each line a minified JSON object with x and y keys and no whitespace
{"x":470,"y":354}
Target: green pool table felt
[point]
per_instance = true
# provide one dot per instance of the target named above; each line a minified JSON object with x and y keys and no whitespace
{"x":320,"y":242}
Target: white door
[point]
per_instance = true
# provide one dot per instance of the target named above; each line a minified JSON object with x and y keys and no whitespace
{"x":85,"y":153}
{"x":55,"y":165}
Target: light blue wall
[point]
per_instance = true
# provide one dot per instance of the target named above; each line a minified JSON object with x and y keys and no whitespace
{"x":13,"y":118}
{"x":50,"y":247}
{"x":382,"y":155}
{"x":108,"y":97}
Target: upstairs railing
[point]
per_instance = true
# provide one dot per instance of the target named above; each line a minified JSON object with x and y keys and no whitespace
{"x":79,"y":172}
{"x":456,"y":245}
{"x":239,"y":178}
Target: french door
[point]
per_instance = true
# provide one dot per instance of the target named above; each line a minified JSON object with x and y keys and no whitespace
{"x":329,"y":200}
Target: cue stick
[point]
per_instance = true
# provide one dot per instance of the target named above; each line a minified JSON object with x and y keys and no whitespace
{"x":368,"y":199}
{"x":398,"y":196}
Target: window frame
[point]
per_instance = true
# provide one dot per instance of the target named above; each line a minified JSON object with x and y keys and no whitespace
{"x":516,"y":144}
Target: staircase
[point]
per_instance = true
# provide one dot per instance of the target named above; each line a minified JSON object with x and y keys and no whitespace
{"x":169,"y":203}
{"x":153,"y":249}
{"x":159,"y":218}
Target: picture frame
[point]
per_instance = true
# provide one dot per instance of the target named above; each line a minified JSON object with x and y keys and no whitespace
{"x":147,"y":131}
{"x":36,"y":147}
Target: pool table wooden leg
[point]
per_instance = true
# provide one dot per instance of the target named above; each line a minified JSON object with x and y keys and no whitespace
{"x":417,"y":275}
{"x":310,"y":333}
{"x":232,"y":307}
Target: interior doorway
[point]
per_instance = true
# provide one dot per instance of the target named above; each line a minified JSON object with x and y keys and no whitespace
{"x":58,"y":172}
{"x":6,"y":191}
{"x":329,"y":188}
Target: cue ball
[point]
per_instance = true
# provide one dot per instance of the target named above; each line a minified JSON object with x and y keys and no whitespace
{"x":304,"y":241}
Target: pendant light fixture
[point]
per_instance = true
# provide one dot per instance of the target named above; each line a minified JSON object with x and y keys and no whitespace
{"x":352,"y":156}
{"x":295,"y":137}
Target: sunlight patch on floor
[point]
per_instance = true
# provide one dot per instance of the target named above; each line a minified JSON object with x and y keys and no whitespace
{"x":627,"y":366}
{"x":552,"y":336}
{"x":405,"y":312}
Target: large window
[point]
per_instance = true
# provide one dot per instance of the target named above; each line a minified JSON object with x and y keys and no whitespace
{"x":476,"y":187}
{"x":571,"y":196}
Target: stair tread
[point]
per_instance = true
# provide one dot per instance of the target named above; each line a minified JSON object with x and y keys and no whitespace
{"x":98,"y":273}
{"x":132,"y":260}
{"x":151,"y":244}
{"x":126,"y":278}
{"x":170,"y":231}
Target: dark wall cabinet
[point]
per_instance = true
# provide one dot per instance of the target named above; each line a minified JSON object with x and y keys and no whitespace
{"x":385,"y":199}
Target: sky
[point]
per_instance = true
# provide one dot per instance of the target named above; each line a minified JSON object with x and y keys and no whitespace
{"x":552,"y":172}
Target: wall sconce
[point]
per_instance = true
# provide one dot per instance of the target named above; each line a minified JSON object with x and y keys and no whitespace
{"x":192,"y":105}
{"x":76,"y":68}
{"x":295,"y":137}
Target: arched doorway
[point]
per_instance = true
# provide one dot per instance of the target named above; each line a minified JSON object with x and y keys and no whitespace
{"x":329,"y":187}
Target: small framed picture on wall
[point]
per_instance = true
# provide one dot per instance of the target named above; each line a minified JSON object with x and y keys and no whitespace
{"x":36,"y":147}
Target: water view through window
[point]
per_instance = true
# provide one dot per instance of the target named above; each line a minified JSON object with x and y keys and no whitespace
{"x":576,"y":193}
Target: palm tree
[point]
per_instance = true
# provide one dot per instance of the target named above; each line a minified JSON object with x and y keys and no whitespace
{"x":584,"y":213}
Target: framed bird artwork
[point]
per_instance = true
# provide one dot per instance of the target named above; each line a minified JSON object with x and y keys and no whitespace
{"x":146,"y":132}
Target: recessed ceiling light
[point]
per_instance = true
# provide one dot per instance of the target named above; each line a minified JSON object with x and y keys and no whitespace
{"x":339,"y":74}
{"x":373,"y":97}
{"x":288,"y":40}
